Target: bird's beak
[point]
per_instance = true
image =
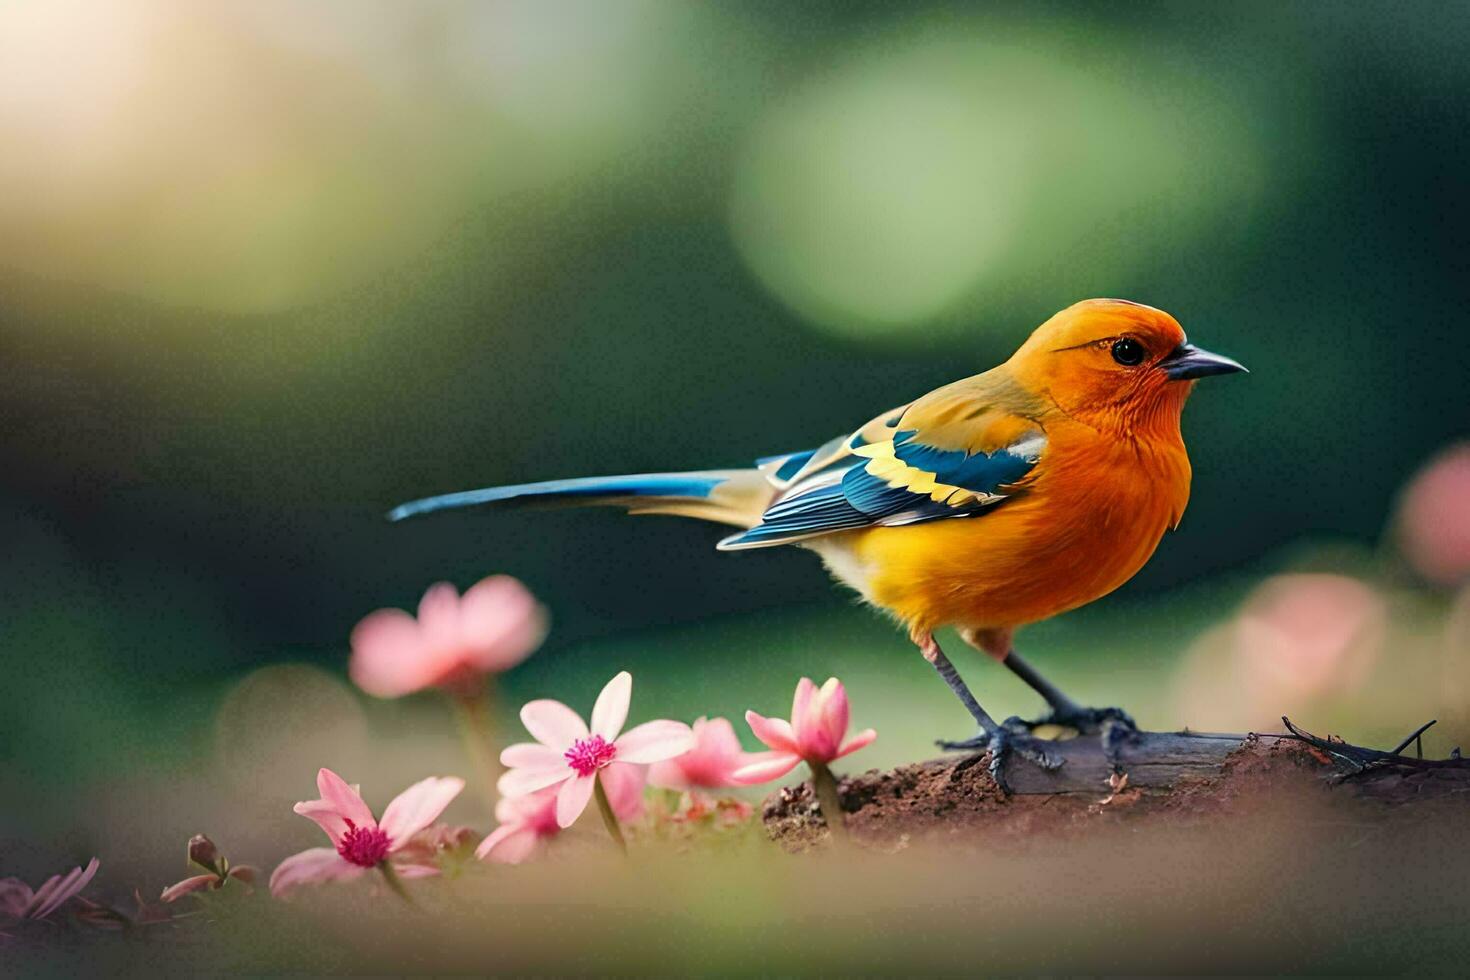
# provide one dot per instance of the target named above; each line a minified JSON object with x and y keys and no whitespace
{"x":1188,"y":362}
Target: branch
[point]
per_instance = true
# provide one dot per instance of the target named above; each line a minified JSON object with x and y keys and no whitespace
{"x":1158,"y":775}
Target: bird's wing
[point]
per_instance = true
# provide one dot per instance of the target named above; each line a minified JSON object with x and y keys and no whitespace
{"x":952,"y":453}
{"x":794,"y":469}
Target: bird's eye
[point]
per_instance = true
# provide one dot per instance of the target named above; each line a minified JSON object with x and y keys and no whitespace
{"x":1129,"y":352}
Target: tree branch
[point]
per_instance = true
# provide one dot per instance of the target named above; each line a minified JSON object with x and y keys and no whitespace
{"x":1153,"y":775}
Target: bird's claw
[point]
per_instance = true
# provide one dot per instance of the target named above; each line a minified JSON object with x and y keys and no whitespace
{"x":1113,"y":726}
{"x":1086,"y":721}
{"x":1011,"y":736}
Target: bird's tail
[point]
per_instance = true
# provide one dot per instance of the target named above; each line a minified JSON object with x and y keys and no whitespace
{"x":736,"y":497}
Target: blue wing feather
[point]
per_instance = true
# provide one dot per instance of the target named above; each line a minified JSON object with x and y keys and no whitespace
{"x":819,"y":504}
{"x":982,"y":472}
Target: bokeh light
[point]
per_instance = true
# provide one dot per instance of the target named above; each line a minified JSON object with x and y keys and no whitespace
{"x":254,"y":156}
{"x":1299,"y":641}
{"x":1434,"y":518}
{"x":925,"y":170}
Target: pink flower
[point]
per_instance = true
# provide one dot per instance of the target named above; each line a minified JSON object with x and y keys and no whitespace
{"x":454,"y":642}
{"x":528,"y":822}
{"x":569,"y":755}
{"x":525,"y":822}
{"x":202,"y":852}
{"x":711,"y":764}
{"x":1434,"y":518}
{"x":359,"y":841}
{"x":814,"y":734}
{"x":18,"y":902}
{"x":1300,"y":643}
{"x":1305,"y":635}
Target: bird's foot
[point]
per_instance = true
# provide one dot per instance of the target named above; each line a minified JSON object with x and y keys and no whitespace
{"x":1086,"y":721}
{"x":1011,"y":736}
{"x":1113,"y":726}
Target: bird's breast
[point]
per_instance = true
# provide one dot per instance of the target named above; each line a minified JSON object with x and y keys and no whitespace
{"x":1088,"y":519}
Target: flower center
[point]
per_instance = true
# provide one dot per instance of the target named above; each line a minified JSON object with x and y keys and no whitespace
{"x":587,"y":755}
{"x":363,"y":846}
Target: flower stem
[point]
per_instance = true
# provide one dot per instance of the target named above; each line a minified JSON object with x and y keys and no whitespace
{"x":609,"y":819}
{"x":825,"y":786}
{"x":472,"y":713}
{"x":395,"y":884}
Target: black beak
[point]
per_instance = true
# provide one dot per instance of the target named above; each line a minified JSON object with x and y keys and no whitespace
{"x":1188,"y":362}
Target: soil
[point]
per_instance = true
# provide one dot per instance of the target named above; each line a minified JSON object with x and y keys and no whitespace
{"x":954,"y":799}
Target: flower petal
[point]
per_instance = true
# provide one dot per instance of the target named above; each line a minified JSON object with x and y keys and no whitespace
{"x":553,"y":723}
{"x":43,"y":894}
{"x":709,"y":765}
{"x":536,"y":810}
{"x":389,"y":658}
{"x":623,"y":784}
{"x":611,"y":709}
{"x":717,"y":736}
{"x":316,"y":866}
{"x":832,"y":713}
{"x":521,"y":782}
{"x":801,"y":704}
{"x":188,"y":886}
{"x":439,"y":616}
{"x":572,"y":799}
{"x":532,"y":755}
{"x":654,"y":741}
{"x":60,"y":889}
{"x":764,"y":767}
{"x":509,"y":843}
{"x":346,"y":799}
{"x":325,"y":816}
{"x":417,"y":807}
{"x":861,"y":739}
{"x":500,"y":623}
{"x":670,"y":774}
{"x":775,"y":732}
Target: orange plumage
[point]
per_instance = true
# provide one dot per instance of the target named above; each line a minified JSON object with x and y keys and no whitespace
{"x":1113,"y":477}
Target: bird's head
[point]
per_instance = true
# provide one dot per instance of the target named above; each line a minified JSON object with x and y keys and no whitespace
{"x":1114,"y":364}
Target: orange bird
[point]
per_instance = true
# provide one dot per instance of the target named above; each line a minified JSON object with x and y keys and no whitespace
{"x":990,"y":503}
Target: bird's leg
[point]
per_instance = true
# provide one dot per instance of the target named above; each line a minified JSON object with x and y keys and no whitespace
{"x":1064,"y":711}
{"x":1112,"y":725}
{"x":999,"y":740}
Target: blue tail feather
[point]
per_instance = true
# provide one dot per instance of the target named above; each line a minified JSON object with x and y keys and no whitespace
{"x":688,"y":485}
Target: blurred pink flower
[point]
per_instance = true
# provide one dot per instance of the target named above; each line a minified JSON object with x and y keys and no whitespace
{"x":528,"y":822}
{"x":1434,"y":518}
{"x":361,"y":842}
{"x":1300,"y":643}
{"x":814,"y":735}
{"x":711,"y":764}
{"x":1303,"y":635}
{"x":19,"y":903}
{"x":525,"y":822}
{"x":569,"y":755}
{"x":454,"y":642}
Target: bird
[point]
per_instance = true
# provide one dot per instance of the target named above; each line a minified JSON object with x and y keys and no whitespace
{"x":987,"y":505}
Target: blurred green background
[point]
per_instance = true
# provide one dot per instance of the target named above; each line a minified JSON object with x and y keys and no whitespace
{"x":269,"y":268}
